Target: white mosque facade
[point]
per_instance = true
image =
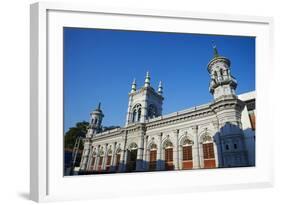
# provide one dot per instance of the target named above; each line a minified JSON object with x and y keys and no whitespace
{"x":218,"y":134}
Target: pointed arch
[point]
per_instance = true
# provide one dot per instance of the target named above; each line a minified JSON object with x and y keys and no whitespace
{"x":133,"y":146}
{"x":186,"y":139}
{"x":167,"y":144}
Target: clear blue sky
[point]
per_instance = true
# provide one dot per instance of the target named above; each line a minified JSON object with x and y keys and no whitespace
{"x":99,"y":66}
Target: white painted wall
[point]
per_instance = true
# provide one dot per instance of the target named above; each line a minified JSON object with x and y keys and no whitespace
{"x":14,"y":103}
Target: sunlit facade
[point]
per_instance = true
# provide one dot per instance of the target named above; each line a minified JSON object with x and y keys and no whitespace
{"x":220,"y":133}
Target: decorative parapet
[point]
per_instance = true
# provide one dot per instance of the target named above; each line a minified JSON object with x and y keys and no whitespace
{"x":188,"y":114}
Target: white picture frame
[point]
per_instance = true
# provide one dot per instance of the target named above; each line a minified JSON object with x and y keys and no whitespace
{"x":47,"y":182}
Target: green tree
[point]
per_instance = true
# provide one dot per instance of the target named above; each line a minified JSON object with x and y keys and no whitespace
{"x":70,"y":136}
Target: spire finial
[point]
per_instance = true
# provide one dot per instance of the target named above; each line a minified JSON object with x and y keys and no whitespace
{"x":216,"y":53}
{"x":134,"y":86}
{"x":99,"y":106}
{"x":147,"y":80}
{"x":160,"y":88}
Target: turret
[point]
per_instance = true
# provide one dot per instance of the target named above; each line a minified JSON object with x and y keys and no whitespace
{"x":144,"y":103}
{"x":96,"y":120}
{"x":160,"y":88}
{"x":227,"y":108}
{"x":134,"y":86}
{"x":147,"y":80}
{"x":222,"y":83}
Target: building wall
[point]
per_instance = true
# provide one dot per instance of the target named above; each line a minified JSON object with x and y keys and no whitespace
{"x":248,"y":128}
{"x":197,"y":126}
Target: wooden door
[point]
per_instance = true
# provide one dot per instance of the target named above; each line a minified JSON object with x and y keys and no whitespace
{"x":187,"y":162}
{"x":209,"y":155}
{"x":152,"y":159}
{"x":169,"y":159}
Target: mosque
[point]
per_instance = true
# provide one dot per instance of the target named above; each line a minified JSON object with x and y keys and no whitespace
{"x":217,"y":134}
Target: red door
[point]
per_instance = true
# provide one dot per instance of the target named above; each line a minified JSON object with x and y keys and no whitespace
{"x":169,"y":159}
{"x":187,"y":157}
{"x":209,"y":155}
{"x":152,"y":160}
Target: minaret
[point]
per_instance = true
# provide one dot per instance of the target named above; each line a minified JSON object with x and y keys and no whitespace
{"x":160,"y":88}
{"x":96,"y":120}
{"x":134,"y":86}
{"x":94,"y":128}
{"x":147,"y":80}
{"x":227,"y":107}
{"x":222,"y":83}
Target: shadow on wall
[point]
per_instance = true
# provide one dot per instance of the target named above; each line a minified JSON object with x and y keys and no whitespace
{"x":235,"y":147}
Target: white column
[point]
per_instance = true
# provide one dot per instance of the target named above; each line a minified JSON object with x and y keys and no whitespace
{"x":90,"y":160}
{"x":139,"y":165}
{"x":113,"y":156}
{"x":97,"y":163}
{"x":120,"y":166}
{"x":176,"y":150}
{"x":145,"y":157}
{"x":123,"y":162}
{"x":144,"y":109}
{"x":159,"y":154}
{"x":85,"y":155}
{"x":180,"y":156}
{"x":195,"y":149}
{"x":104,"y":158}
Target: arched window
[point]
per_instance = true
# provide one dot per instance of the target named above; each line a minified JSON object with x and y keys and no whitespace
{"x":136,"y":113}
{"x":139,"y":114}
{"x":227,"y":147}
{"x":153,"y":157}
{"x":152,"y":111}
{"x":216,"y":75}
{"x":134,"y":116}
{"x":168,"y":146}
{"x":221,"y":73}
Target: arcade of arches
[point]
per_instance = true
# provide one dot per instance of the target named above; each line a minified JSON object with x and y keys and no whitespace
{"x":153,"y":158}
